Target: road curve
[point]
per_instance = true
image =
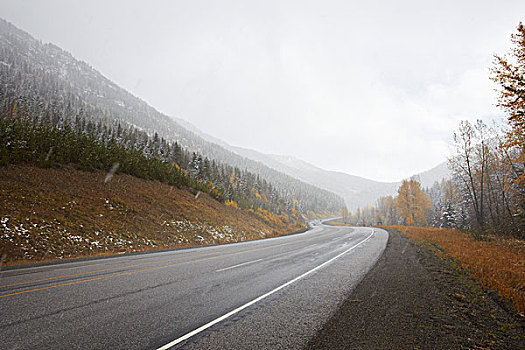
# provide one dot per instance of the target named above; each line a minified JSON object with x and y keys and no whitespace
{"x":265,"y":294}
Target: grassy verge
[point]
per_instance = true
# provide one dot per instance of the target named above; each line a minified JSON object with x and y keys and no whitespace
{"x":337,"y":222}
{"x":499,"y":263}
{"x":55,"y":214}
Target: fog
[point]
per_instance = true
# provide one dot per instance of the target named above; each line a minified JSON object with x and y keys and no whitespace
{"x":372,"y":89}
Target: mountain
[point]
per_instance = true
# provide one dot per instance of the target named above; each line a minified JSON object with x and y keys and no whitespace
{"x":44,"y":80}
{"x":436,"y":174}
{"x":356,"y":191}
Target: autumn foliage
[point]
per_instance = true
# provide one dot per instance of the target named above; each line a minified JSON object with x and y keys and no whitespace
{"x":509,"y":73}
{"x":488,"y":165}
{"x":412,"y":203}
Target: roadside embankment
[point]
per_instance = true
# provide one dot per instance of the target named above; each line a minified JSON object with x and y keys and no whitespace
{"x":498,"y":262}
{"x":50,"y":214}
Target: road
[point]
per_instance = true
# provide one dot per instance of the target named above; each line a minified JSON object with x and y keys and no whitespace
{"x":265,"y":294}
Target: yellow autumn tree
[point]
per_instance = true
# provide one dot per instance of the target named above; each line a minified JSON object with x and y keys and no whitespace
{"x":345,"y":214}
{"x":386,"y":214}
{"x":508,"y":72}
{"x":411,"y":203}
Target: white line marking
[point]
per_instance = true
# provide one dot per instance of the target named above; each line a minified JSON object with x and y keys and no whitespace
{"x":240,"y":308}
{"x":234,"y":266}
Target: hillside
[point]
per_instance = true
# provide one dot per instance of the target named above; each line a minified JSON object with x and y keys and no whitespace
{"x":61,"y":213}
{"x":355,"y":190}
{"x":42,"y":80}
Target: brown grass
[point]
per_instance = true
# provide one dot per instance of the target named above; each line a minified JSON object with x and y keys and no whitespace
{"x":49,"y":214}
{"x":498,"y":263}
{"x":337,"y":222}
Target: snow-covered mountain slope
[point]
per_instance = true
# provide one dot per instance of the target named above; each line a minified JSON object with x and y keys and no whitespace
{"x":43,"y":79}
{"x":357,"y":191}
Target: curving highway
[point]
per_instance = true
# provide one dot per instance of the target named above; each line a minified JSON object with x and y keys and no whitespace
{"x":264,"y":294}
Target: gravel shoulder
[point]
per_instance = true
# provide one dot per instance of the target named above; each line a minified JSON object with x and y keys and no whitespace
{"x":412,"y":299}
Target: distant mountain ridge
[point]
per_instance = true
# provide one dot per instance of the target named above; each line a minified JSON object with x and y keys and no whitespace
{"x":357,"y":191}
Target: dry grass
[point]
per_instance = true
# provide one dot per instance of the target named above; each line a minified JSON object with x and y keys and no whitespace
{"x":49,"y":214}
{"x":337,"y":222}
{"x":499,"y":263}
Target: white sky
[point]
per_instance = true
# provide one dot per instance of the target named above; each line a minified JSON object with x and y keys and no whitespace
{"x":371,"y":88}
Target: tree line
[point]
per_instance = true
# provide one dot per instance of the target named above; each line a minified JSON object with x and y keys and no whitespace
{"x":52,"y":140}
{"x":488,"y":166}
{"x":486,"y":194}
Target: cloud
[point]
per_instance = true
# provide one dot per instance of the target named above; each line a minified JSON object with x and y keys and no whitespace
{"x":370,"y":88}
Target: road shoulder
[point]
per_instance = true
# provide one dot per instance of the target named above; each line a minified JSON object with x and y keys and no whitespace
{"x":413,"y":299}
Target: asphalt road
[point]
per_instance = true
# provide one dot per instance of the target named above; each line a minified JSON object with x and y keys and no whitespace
{"x":266,"y":294}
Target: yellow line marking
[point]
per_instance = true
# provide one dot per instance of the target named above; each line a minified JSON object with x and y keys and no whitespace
{"x":133,"y":272}
{"x":103,"y":270}
{"x":90,"y":272}
{"x":102,"y":277}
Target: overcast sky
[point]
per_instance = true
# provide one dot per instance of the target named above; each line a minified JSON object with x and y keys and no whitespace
{"x":371,"y":88}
